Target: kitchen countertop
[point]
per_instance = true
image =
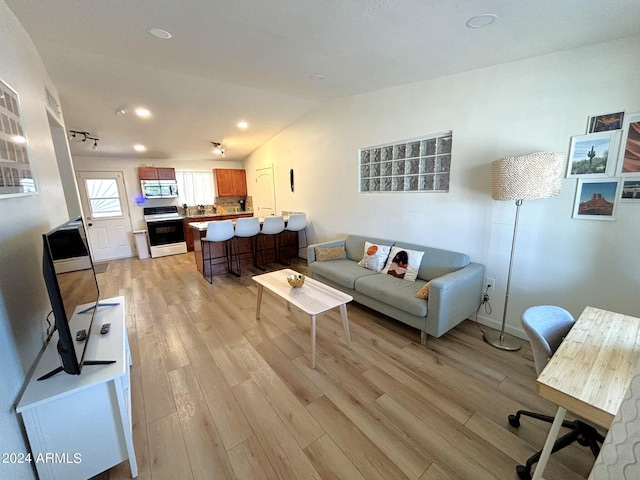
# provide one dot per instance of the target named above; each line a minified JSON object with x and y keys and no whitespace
{"x":202,"y":226}
{"x":203,"y":215}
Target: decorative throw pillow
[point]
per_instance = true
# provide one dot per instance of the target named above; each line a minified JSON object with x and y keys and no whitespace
{"x":403,"y":263}
{"x":330,"y":253}
{"x":423,"y":293}
{"x":374,"y":256}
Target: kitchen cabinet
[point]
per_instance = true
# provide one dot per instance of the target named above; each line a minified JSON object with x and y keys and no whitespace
{"x":231,"y":182}
{"x":188,"y":232}
{"x":156,"y":173}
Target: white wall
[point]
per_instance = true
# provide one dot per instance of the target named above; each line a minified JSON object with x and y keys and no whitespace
{"x":129,"y":166}
{"x":23,"y":299}
{"x":516,"y":108}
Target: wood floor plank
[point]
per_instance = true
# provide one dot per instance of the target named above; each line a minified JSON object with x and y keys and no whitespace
{"x":409,"y":459}
{"x":330,"y":461}
{"x":225,"y":410}
{"x":250,"y":461}
{"x":286,"y":456}
{"x":291,"y":412}
{"x":167,"y":451}
{"x":158,"y":401}
{"x":355,"y":444}
{"x":207,"y":455}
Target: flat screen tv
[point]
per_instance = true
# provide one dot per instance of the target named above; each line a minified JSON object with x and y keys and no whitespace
{"x":71,"y":281}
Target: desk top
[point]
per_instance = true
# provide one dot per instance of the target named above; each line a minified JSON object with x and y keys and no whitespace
{"x":590,"y":372}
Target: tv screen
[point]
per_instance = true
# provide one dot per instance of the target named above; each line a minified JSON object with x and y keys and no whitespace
{"x":71,"y":282}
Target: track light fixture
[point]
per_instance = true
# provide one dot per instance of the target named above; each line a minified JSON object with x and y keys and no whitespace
{"x":85,"y":136}
{"x":218,"y":149}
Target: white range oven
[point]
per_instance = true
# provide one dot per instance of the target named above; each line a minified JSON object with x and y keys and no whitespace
{"x":166,"y":231}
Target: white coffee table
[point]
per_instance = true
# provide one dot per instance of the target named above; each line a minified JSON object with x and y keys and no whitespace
{"x":312,"y":298}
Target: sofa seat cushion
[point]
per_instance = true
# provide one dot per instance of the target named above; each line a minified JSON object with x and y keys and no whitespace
{"x":342,"y":272}
{"x":394,"y":291}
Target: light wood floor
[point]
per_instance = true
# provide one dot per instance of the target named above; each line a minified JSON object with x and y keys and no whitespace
{"x":219,"y":395}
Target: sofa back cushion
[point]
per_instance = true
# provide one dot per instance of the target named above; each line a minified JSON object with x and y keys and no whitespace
{"x":436,"y":262}
{"x":354,"y":244}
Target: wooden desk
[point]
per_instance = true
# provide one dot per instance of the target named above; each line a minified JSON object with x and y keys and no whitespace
{"x":590,"y":372}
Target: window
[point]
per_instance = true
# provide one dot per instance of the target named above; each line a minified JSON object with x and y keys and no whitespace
{"x":104,"y":199}
{"x":420,"y":165}
{"x":195,"y":188}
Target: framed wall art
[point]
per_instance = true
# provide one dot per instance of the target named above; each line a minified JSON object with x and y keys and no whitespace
{"x":630,"y":190}
{"x":596,"y":199}
{"x":604,"y":123}
{"x":593,"y":155}
{"x":629,"y":162}
{"x":16,"y":178}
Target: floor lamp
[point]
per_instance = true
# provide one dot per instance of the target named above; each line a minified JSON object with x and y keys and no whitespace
{"x":526,"y":177}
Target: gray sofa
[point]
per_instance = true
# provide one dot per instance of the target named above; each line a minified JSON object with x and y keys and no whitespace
{"x":455,"y":289}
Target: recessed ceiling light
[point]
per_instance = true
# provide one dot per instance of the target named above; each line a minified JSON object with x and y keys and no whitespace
{"x":143,"y":112}
{"x":159,"y":33}
{"x":121,"y":111}
{"x":242,"y":124}
{"x":139,"y":148}
{"x":316,"y":77}
{"x":483,"y":20}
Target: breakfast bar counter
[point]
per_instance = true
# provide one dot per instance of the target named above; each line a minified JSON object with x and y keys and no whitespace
{"x":289,"y":242}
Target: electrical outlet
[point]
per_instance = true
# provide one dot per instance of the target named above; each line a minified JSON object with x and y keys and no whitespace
{"x":490,"y":283}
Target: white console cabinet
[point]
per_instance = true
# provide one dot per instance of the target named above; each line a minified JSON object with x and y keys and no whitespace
{"x":80,"y":425}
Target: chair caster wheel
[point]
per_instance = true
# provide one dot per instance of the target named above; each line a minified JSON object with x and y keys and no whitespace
{"x":523,"y":472}
{"x":514,"y":421}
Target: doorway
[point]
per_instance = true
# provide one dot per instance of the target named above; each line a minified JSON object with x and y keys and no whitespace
{"x":265,"y":202}
{"x":106,"y":214}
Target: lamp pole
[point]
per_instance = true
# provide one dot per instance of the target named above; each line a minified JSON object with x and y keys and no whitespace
{"x":502,"y":340}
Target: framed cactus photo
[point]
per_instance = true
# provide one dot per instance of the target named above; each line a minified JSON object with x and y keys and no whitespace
{"x":593,"y":155}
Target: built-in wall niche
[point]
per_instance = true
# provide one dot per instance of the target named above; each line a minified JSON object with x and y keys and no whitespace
{"x":416,"y":165}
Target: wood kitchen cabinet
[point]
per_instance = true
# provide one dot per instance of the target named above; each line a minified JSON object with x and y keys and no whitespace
{"x":156,"y":173}
{"x":231,"y":182}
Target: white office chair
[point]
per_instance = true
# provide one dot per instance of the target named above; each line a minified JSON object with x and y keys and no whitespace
{"x":297,"y":223}
{"x":246,"y":227}
{"x":272,"y":226}
{"x":546,"y":326}
{"x":217,"y":232}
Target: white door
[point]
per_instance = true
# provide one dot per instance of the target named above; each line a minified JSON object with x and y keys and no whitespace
{"x":106,"y":214}
{"x":265,"y":201}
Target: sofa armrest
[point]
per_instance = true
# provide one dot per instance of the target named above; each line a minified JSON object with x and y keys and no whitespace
{"x":311,"y":249}
{"x":454,"y":297}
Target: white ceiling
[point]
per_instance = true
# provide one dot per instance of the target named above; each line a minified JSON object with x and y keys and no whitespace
{"x":251,"y":59}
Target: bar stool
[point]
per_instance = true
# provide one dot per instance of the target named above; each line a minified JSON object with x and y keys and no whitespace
{"x":272,"y":226}
{"x":297,"y":222}
{"x":218,"y":232}
{"x":246,"y":227}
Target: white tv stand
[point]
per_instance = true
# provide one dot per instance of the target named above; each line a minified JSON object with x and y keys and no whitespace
{"x":80,"y":425}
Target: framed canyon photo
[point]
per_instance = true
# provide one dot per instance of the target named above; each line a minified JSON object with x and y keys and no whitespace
{"x":596,"y":199}
{"x":629,"y":162}
{"x":593,"y":155}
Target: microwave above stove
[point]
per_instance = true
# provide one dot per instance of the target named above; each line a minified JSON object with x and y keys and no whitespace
{"x":159,"y":188}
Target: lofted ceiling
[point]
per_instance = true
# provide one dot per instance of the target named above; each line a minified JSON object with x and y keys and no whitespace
{"x":271,"y":62}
